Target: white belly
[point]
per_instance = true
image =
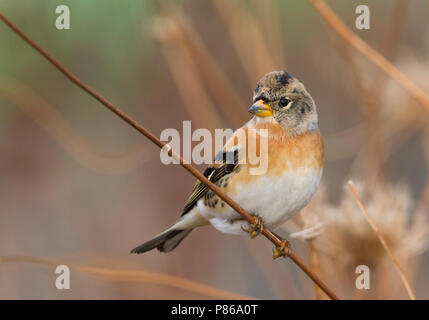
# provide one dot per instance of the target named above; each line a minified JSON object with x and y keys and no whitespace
{"x":275,"y":200}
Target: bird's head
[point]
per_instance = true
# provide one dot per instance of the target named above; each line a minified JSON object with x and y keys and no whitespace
{"x":281,"y":97}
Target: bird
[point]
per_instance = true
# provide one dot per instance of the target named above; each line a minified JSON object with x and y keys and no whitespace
{"x":287,"y":115}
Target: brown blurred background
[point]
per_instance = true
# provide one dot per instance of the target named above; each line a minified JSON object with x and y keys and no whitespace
{"x":80,"y":186}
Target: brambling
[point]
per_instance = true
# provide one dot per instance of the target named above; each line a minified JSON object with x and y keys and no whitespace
{"x":283,"y":107}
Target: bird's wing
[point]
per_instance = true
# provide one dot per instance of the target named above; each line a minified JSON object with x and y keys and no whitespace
{"x":214,"y":172}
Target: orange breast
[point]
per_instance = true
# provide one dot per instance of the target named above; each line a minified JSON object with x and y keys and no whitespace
{"x":285,"y":151}
{"x":295,"y":152}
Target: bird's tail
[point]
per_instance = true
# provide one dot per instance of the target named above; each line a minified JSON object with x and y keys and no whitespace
{"x":164,"y":242}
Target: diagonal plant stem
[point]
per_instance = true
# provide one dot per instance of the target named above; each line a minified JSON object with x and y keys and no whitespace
{"x":276,"y":240}
{"x":371,"y":54}
{"x":370,"y":105}
{"x":383,"y":242}
{"x":368,"y":96}
{"x":134,"y":275}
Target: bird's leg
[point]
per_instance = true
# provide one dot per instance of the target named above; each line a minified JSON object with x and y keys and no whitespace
{"x":254,"y":228}
{"x":283,"y":250}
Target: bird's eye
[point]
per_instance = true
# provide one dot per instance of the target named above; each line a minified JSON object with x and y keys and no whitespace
{"x":284,"y":102}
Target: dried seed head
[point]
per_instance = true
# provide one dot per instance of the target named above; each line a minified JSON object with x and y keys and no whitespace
{"x":348,"y":234}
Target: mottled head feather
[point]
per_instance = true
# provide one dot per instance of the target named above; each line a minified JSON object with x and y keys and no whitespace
{"x":297,"y":117}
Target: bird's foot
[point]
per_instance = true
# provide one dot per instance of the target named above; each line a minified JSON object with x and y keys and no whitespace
{"x":283,"y":250}
{"x":254,"y":228}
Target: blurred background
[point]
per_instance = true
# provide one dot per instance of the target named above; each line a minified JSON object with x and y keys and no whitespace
{"x":81,"y":187}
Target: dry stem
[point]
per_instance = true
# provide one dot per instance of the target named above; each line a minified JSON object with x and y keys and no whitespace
{"x":277,"y":241}
{"x":335,"y":23}
{"x":383,"y":242}
{"x":134,"y":275}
